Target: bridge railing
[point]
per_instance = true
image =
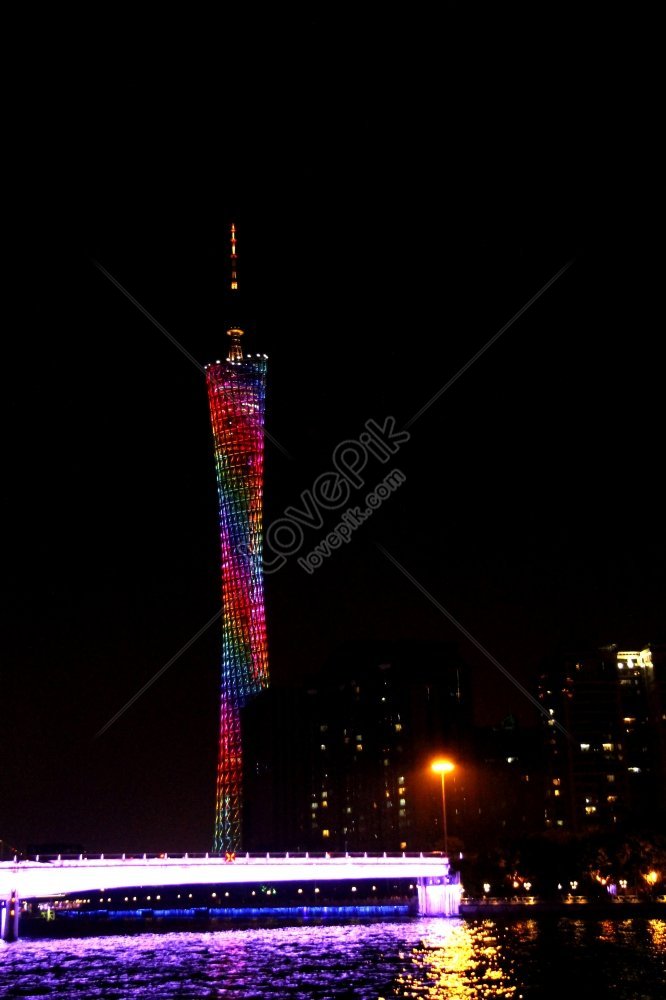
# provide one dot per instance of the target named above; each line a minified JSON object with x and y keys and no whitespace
{"x":212,"y":856}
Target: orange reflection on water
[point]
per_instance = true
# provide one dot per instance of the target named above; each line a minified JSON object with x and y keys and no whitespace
{"x":657,"y":931}
{"x":608,"y":931}
{"x":526,"y":930}
{"x":460,"y":960}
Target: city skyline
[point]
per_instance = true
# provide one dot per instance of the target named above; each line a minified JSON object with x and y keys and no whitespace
{"x":516,"y":514}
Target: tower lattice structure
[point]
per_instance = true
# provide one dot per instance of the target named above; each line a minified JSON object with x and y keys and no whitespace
{"x":236,"y":396}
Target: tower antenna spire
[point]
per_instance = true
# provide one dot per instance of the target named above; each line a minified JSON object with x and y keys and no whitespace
{"x":234,"y":331}
{"x":234,"y":260}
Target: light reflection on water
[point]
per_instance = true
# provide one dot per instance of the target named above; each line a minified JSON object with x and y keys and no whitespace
{"x":457,"y":959}
{"x":432,"y":958}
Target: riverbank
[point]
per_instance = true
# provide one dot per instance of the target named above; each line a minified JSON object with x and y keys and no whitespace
{"x":86,"y":923}
{"x":571,"y":906}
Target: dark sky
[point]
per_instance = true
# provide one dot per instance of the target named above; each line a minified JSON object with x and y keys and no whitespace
{"x":394,"y":213}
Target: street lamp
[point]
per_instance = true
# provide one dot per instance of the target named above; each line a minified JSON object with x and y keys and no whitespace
{"x":443,"y":767}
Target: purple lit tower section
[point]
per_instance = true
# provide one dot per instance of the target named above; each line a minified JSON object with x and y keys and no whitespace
{"x":236,"y":395}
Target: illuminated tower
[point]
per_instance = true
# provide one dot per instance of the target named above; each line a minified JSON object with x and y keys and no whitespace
{"x":236,"y":394}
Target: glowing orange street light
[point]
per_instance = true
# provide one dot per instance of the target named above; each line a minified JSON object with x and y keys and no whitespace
{"x":443,"y":767}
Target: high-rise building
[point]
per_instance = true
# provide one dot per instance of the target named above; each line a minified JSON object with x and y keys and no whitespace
{"x":604,"y":739}
{"x":503,"y":784}
{"x":351,"y":751}
{"x":236,"y":395}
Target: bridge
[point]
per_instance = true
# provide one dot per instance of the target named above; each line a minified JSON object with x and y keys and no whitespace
{"x":42,"y":877}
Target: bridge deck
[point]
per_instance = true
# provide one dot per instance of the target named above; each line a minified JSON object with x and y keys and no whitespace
{"x":57,"y":875}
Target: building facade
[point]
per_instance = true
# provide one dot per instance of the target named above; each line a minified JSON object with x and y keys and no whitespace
{"x":604,"y":738}
{"x":351,"y":751}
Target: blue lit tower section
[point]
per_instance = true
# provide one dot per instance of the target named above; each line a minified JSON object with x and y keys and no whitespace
{"x":236,"y":395}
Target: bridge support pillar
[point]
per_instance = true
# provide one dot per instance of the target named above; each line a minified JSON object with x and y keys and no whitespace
{"x":9,"y":917}
{"x":438,"y":897}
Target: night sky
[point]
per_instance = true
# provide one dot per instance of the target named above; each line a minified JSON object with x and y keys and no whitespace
{"x":391,"y":220}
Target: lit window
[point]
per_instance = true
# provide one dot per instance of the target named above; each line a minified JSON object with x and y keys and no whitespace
{"x":398,"y":727}
{"x":322,"y":746}
{"x":590,"y":809}
{"x":326,"y":833}
{"x":557,"y":781}
{"x":608,"y":747}
{"x":585,"y":746}
{"x":610,"y":777}
{"x":556,"y":792}
{"x":634,"y":770}
{"x":359,"y":746}
{"x":510,"y":760}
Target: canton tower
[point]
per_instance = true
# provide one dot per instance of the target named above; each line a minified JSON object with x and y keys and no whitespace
{"x":236,"y":396}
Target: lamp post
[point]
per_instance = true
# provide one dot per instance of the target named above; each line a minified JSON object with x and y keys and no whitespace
{"x":443,"y":767}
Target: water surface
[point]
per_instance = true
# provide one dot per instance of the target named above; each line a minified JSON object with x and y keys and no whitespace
{"x":418,"y":958}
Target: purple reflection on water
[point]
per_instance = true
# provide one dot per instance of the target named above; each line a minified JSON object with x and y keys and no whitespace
{"x":313,"y":963}
{"x":434,"y":957}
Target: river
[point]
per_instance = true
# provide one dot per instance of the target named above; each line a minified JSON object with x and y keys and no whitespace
{"x":434,"y":958}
